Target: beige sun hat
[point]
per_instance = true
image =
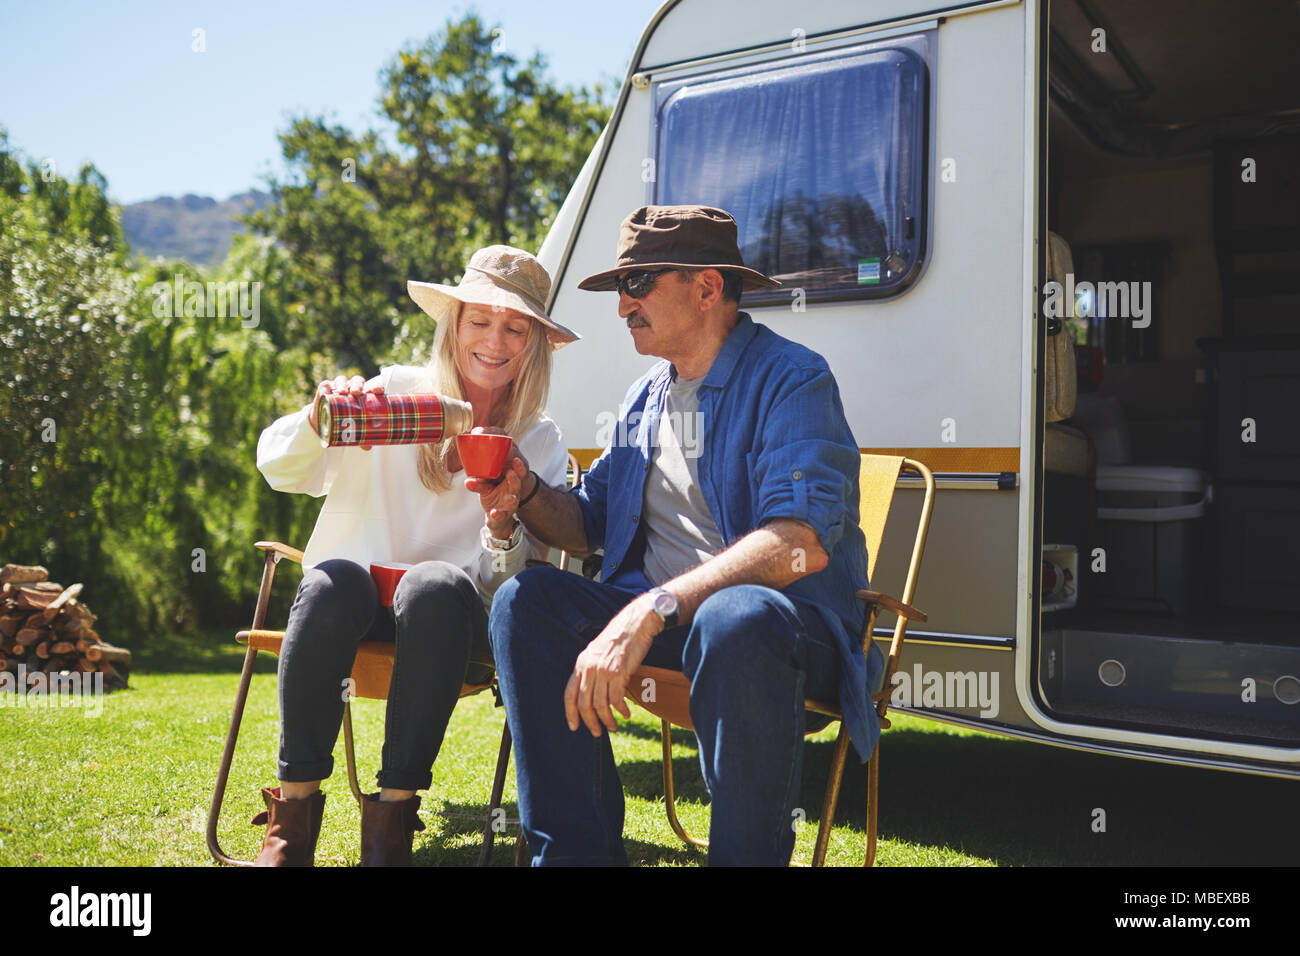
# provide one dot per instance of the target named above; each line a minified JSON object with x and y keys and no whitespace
{"x":499,"y":276}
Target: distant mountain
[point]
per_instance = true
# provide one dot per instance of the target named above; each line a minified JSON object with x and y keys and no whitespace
{"x":195,"y":228}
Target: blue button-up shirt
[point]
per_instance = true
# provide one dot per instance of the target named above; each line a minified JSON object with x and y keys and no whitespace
{"x":774,"y":444}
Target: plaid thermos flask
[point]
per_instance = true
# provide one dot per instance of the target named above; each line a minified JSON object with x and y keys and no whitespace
{"x":390,"y":419}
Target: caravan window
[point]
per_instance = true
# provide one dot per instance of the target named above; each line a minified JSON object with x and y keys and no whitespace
{"x":822,"y":159}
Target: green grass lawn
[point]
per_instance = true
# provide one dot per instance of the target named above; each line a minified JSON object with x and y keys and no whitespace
{"x":131,"y":787}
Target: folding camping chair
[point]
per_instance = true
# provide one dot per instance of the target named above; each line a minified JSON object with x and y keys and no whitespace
{"x":878,"y":477}
{"x":372,"y":672}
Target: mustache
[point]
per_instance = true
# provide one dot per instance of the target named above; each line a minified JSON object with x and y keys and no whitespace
{"x":634,"y":321}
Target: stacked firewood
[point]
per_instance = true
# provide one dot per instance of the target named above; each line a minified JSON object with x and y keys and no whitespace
{"x":46,"y":629}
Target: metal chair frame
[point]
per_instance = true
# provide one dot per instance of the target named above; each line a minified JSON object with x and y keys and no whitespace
{"x":258,"y":638}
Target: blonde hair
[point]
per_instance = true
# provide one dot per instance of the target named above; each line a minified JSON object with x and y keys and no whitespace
{"x":523,"y":406}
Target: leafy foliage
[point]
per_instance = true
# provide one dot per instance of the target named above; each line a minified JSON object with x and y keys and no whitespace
{"x":128,"y":439}
{"x":486,"y":151}
{"x":68,"y":400}
{"x":127,"y":458}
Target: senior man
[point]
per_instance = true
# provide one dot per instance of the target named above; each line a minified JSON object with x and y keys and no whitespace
{"x":733,"y":558}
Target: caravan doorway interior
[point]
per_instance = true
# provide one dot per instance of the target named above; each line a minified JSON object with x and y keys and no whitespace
{"x":1171,"y":515}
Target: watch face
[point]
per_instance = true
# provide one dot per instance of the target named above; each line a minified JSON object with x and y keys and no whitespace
{"x":665,"y":603}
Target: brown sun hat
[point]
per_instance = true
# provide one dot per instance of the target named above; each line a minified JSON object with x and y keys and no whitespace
{"x":500,"y":276}
{"x":661,"y":237}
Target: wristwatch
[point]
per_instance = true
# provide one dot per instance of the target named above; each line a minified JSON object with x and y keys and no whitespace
{"x":665,"y":605}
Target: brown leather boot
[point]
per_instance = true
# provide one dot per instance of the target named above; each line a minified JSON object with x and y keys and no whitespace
{"x":292,"y":827}
{"x":387,"y":830}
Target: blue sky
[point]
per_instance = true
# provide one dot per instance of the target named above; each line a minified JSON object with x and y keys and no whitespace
{"x":118,"y":83}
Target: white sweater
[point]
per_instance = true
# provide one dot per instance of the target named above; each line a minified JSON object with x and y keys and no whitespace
{"x":377,"y":509}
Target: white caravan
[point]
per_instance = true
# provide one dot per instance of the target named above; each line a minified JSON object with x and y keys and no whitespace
{"x":976,"y":209}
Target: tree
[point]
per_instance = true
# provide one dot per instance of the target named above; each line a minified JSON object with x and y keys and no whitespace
{"x":11,"y":169}
{"x":487,"y":151}
{"x":488,"y":135}
{"x":67,"y":403}
{"x":344,"y":284}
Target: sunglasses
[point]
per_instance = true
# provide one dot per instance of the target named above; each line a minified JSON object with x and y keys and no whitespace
{"x":639,"y":284}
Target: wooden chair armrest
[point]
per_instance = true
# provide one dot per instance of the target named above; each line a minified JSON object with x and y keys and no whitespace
{"x":898,"y":607}
{"x":281,"y":549}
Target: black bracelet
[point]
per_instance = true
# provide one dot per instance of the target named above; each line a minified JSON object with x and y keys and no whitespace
{"x":537,"y":483}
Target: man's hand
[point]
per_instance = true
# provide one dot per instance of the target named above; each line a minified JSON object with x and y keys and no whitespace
{"x":603,"y":669}
{"x":601,"y":673}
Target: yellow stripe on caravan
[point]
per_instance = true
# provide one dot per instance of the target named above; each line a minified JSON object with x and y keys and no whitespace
{"x":585,"y":456}
{"x":967,"y":460}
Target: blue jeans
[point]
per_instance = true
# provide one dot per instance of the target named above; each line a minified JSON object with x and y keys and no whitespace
{"x":752,"y":656}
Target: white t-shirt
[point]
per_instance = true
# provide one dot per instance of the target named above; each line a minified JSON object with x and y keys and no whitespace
{"x":377,"y":509}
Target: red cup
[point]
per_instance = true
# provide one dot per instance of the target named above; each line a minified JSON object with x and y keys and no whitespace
{"x":484,"y":456}
{"x":386,"y":576}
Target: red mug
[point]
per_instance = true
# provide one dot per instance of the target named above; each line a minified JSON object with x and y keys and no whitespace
{"x":386,"y":576}
{"x":484,"y":456}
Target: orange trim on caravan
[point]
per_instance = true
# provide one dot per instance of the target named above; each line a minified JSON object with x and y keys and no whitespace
{"x":965,"y":460}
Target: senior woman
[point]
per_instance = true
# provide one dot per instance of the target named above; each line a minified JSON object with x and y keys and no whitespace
{"x":408,"y":504}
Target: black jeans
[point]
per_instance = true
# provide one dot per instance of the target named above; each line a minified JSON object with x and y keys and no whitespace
{"x":439,"y":624}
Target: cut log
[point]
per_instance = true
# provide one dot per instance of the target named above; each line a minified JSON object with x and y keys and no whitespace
{"x":66,"y":595}
{"x":28,"y":636}
{"x":43,"y":650}
{"x":67,"y":628}
{"x":63,"y":647}
{"x":38,"y":587}
{"x":10,"y":623}
{"x":72,"y":627}
{"x":107,"y":653}
{"x":113,"y":680}
{"x":27,"y":598}
{"x":21,"y":573}
{"x":73,"y":613}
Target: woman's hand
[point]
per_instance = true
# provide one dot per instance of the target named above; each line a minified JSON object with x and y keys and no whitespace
{"x":500,"y":498}
{"x":342,"y":385}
